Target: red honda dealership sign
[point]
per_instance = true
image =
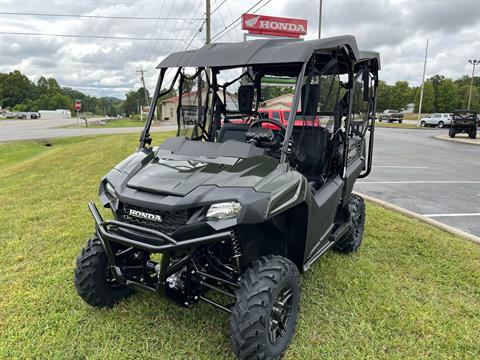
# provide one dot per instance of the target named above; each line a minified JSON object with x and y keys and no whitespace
{"x":274,"y":26}
{"x":78,"y":105}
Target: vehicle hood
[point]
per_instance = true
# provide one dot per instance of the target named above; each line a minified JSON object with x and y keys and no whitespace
{"x":179,"y":175}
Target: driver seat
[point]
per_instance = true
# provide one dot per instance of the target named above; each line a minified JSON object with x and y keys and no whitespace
{"x":231,"y":131}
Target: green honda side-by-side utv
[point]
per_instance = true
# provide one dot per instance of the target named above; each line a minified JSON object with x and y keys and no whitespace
{"x":239,"y":204}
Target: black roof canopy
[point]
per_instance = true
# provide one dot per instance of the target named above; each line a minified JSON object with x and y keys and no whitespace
{"x":263,"y":51}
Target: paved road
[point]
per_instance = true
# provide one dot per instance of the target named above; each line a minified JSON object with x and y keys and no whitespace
{"x":12,"y":130}
{"x":436,"y":178}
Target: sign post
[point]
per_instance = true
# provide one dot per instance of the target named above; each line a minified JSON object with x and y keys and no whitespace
{"x":78,"y":106}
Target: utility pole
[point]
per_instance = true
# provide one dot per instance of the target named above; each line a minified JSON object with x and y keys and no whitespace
{"x":141,"y":71}
{"x":208,"y":22}
{"x":474,"y":63}
{"x":423,"y":82}
{"x":320,"y":20}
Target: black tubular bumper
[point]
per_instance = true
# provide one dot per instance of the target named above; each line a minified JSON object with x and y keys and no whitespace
{"x":105,"y":233}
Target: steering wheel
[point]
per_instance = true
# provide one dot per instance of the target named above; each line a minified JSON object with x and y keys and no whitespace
{"x":267,"y":138}
{"x":283,"y":129}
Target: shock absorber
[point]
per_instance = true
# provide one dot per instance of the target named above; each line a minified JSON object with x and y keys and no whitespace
{"x":236,"y":250}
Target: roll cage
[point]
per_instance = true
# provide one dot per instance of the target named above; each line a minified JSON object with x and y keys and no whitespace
{"x":335,"y":90}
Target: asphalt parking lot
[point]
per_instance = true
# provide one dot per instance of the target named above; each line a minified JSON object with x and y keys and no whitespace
{"x":435,"y":178}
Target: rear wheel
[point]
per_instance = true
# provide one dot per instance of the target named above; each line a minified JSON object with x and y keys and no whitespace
{"x":451,"y":132}
{"x":441,"y":124}
{"x":93,"y":279}
{"x":266,"y":308}
{"x":353,"y":239}
{"x":472,"y":134}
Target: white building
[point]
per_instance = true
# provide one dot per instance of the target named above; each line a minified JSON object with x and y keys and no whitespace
{"x":55,"y":114}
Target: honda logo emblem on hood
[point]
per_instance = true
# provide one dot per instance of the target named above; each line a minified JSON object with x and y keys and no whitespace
{"x":145,"y":215}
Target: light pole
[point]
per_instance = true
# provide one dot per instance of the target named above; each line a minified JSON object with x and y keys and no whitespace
{"x":423,"y":83}
{"x":474,"y":63}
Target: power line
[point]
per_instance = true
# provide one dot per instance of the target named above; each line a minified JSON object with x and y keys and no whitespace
{"x":87,"y":36}
{"x":147,"y":48}
{"x":162,"y":29}
{"x":229,"y":28}
{"x":214,"y":10}
{"x":100,"y":16}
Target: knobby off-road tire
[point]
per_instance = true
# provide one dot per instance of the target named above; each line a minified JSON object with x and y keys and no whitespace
{"x":93,"y":279}
{"x":266,"y":307}
{"x":472,"y":134}
{"x":352,"y":240}
{"x":451,"y":132}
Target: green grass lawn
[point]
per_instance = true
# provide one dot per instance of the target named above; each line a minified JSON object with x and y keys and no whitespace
{"x":411,"y":292}
{"x":399,"y":126}
{"x":119,"y":123}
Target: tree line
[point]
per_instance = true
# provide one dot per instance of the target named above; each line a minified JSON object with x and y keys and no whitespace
{"x":18,"y":93}
{"x":440,"y":94}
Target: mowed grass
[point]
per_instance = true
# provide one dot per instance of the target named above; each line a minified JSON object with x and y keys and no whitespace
{"x":400,"y":126}
{"x":118,"y":123}
{"x":411,"y":292}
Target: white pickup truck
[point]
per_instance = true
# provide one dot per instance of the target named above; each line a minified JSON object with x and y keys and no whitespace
{"x":439,"y":119}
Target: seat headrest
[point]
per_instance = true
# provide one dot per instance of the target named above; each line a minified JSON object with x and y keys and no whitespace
{"x":310,"y":99}
{"x":246,"y":94}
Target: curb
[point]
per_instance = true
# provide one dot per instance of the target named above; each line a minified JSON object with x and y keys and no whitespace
{"x":457,"y":140}
{"x":409,"y":213}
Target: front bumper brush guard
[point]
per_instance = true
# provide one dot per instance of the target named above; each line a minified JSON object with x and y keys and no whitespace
{"x":105,"y":231}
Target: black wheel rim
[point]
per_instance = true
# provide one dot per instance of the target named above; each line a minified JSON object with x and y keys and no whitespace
{"x":281,"y":314}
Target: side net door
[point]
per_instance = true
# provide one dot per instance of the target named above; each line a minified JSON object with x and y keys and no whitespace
{"x":193,"y":100}
{"x":319,"y":121}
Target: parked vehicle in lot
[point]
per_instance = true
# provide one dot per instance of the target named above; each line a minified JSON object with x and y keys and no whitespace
{"x":10,"y":115}
{"x":240,"y":209}
{"x":391,"y":116}
{"x":438,"y":119}
{"x":21,"y":115}
{"x":34,"y":115}
{"x":464,"y":121}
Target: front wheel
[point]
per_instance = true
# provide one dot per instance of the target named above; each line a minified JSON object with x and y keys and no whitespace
{"x":93,"y":279}
{"x":423,"y":124}
{"x":451,"y":132}
{"x":266,"y":308}
{"x":352,"y":240}
{"x":472,"y":134}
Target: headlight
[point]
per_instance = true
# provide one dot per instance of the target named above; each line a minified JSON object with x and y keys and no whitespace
{"x":224,"y":210}
{"x":110,"y":192}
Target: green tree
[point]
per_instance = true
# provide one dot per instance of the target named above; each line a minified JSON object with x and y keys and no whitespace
{"x":14,"y":89}
{"x":428,"y":98}
{"x":385,"y":96}
{"x":401,"y":95}
{"x":133,"y":100}
{"x":447,"y":98}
